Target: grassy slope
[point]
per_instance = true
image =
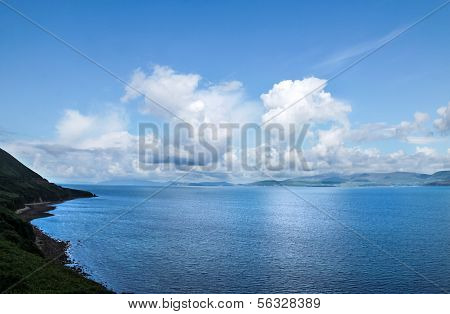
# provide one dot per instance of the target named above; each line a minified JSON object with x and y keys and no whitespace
{"x":19,"y":256}
{"x":20,"y":185}
{"x":17,"y":263}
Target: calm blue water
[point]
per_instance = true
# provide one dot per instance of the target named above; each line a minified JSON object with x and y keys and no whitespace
{"x":260,"y":239}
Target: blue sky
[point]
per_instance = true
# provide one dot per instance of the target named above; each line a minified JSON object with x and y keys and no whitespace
{"x":257,"y":45}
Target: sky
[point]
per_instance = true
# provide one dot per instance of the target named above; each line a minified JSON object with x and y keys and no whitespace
{"x":228,"y":61}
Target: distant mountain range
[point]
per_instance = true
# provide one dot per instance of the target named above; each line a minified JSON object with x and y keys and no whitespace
{"x":213,"y":183}
{"x":136,"y":182}
{"x":441,"y":178}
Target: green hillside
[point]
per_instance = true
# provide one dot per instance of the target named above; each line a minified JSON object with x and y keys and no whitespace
{"x":20,"y":185}
{"x":19,"y":255}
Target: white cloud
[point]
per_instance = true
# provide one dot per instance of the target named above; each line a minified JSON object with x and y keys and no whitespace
{"x":98,"y":146}
{"x":315,"y":106}
{"x":443,"y":122}
{"x":73,"y":125}
{"x":183,"y":95}
{"x":329,"y":141}
{"x":102,"y":130}
{"x":421,"y":140}
{"x":427,"y":151}
{"x":411,"y":132}
{"x":87,"y":147}
{"x":421,"y":117}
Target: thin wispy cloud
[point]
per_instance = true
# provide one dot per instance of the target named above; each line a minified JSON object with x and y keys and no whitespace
{"x":359,"y":49}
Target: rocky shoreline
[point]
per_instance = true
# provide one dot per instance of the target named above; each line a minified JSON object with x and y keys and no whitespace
{"x":25,"y":196}
{"x":52,"y":249}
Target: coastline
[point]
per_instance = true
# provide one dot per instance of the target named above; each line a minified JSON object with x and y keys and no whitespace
{"x":52,"y":249}
{"x":36,"y":210}
{"x":25,"y":196}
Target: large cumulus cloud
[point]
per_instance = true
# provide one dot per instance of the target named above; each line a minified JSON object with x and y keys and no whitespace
{"x":99,"y":146}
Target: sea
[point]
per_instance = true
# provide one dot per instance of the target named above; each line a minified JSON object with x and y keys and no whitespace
{"x":244,"y":239}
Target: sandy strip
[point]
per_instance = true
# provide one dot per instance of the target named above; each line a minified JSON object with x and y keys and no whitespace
{"x":30,"y":206}
{"x":36,"y":210}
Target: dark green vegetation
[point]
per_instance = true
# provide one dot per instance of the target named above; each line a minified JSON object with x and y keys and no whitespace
{"x":441,"y":178}
{"x":20,"y":185}
{"x":19,"y":255}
